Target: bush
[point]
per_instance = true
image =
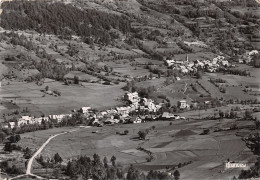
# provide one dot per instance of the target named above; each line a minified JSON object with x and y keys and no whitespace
{"x":205,"y":131}
{"x":142,"y":135}
{"x":106,"y":83}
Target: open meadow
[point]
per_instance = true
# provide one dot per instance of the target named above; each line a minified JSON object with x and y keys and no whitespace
{"x":72,"y":97}
{"x":180,"y":142}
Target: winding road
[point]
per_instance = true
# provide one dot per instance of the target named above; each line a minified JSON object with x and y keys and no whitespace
{"x":29,"y":165}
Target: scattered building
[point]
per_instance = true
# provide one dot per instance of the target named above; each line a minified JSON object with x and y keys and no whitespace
{"x":182,"y":104}
{"x":85,"y":109}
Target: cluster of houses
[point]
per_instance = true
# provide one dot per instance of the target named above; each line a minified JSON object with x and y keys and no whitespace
{"x":247,"y":57}
{"x":187,"y":66}
{"x":29,"y":120}
{"x":109,"y":116}
{"x":122,"y":114}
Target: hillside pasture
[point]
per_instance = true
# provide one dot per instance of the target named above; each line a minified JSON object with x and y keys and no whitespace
{"x":148,"y":61}
{"x":196,"y":56}
{"x":82,"y":76}
{"x":72,"y":97}
{"x":170,"y":145}
{"x":128,"y":70}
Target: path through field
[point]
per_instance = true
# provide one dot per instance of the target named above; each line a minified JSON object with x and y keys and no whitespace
{"x":29,"y":165}
{"x":185,"y":89}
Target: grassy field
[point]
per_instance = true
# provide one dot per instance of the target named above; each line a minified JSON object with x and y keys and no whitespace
{"x":72,"y":97}
{"x":82,"y":76}
{"x":170,"y":144}
{"x":235,"y":84}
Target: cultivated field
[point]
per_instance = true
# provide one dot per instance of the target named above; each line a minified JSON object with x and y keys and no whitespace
{"x":170,"y":145}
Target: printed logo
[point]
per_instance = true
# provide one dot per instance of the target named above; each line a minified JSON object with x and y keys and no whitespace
{"x":232,"y":165}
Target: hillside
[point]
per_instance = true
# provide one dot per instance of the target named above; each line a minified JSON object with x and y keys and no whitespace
{"x":170,"y":86}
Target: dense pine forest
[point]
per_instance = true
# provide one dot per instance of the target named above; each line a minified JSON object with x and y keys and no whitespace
{"x":64,"y":20}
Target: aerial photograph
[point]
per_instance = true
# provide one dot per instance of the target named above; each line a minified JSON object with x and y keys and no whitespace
{"x":129,"y":89}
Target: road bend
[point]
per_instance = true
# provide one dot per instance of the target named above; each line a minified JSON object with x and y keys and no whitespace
{"x":29,"y":165}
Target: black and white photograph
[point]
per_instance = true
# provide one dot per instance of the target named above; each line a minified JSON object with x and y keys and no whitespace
{"x":129,"y":90}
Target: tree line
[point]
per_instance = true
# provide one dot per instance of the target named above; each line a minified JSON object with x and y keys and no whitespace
{"x":98,"y":169}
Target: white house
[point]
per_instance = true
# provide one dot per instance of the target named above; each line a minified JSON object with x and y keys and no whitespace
{"x":224,"y":63}
{"x":123,"y":110}
{"x":137,"y":120}
{"x":150,"y":105}
{"x":25,"y":120}
{"x":85,"y":109}
{"x":214,"y":61}
{"x":133,"y":97}
{"x":184,"y":69}
{"x":103,"y":113}
{"x":38,"y":120}
{"x":170,"y":62}
{"x":21,"y":122}
{"x":59,"y":117}
{"x":253,"y":52}
{"x":11,"y":125}
{"x":182,"y":104}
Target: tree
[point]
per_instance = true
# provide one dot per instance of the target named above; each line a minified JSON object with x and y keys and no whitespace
{"x":205,"y":131}
{"x":17,"y":138}
{"x":76,"y":80}
{"x":12,"y":139}
{"x":142,"y":135}
{"x":133,"y":174}
{"x":40,"y":160}
{"x":57,"y":158}
{"x":256,"y":60}
{"x":105,"y":162}
{"x":71,"y":169}
{"x":248,"y":114}
{"x":8,"y":147}
{"x":176,"y":175}
{"x":199,"y":75}
{"x":253,"y":172}
{"x":221,"y":114}
{"x":113,"y":160}
{"x":126,"y":132}
{"x":253,"y":142}
{"x":27,"y":153}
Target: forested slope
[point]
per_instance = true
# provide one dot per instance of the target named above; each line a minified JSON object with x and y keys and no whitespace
{"x":62,"y":19}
